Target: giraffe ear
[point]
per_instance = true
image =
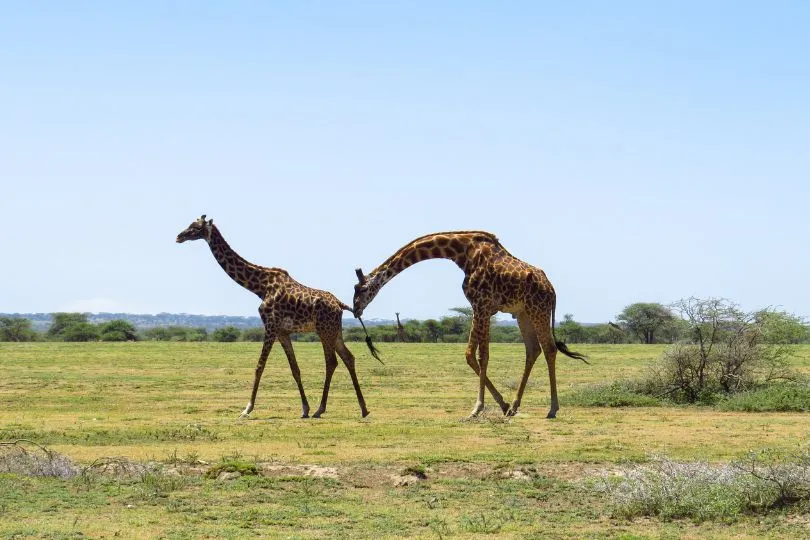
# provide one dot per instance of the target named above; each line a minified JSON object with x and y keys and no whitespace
{"x":211,"y":221}
{"x":360,"y":277}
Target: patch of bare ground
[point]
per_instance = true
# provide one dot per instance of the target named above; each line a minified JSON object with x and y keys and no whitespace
{"x":383,"y":476}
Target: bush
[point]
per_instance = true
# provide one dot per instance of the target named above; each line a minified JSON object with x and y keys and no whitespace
{"x":118,"y":330}
{"x":759,"y":482}
{"x":226,"y":334}
{"x":16,"y":329}
{"x":780,"y":397}
{"x":621,"y":393}
{"x":253,"y":334}
{"x":727,"y":355}
{"x":80,"y":332}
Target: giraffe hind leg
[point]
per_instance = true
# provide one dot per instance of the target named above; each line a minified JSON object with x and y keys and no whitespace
{"x":532,"y":352}
{"x":296,"y":372}
{"x":348,"y":360}
{"x":542,"y":325}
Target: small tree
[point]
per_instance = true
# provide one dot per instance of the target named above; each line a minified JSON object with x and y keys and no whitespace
{"x":433,"y":330}
{"x":780,"y":327}
{"x":253,"y":334}
{"x":645,"y":320}
{"x":726,"y":353}
{"x":80,"y":332}
{"x":569,"y":330}
{"x":60,"y":322}
{"x":118,"y":330}
{"x":226,"y":334}
{"x":16,"y":329}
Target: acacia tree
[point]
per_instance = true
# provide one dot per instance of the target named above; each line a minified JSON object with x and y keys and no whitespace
{"x":645,"y":319}
{"x":118,"y":330}
{"x":62,"y":322}
{"x":16,"y":329}
{"x":727,"y":353}
{"x":570,"y":331}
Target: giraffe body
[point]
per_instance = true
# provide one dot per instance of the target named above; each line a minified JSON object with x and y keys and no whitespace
{"x":494,"y":280}
{"x":287,"y":307}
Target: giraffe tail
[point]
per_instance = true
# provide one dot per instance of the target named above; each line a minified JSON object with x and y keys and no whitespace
{"x":561,"y":346}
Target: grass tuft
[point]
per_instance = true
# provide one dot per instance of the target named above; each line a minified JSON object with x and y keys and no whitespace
{"x":777,"y":398}
{"x":620,"y":393}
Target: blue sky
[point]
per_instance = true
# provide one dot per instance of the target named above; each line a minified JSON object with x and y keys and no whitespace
{"x":636,"y":151}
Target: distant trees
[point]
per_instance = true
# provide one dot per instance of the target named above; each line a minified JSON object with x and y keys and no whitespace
{"x":640,"y":322}
{"x":782,"y":327}
{"x":118,"y":330}
{"x":569,"y":330}
{"x":253,"y":334}
{"x":226,"y":334}
{"x":72,"y":327}
{"x":16,"y":329}
{"x":645,"y":320}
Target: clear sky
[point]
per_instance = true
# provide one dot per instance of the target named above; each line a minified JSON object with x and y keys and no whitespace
{"x":636,"y":151}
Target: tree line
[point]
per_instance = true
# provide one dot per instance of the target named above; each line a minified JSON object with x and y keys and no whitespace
{"x":637,"y":323}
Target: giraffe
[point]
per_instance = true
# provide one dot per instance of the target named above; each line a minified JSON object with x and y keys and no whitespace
{"x":400,"y":331}
{"x":494,"y":280}
{"x":287,"y":306}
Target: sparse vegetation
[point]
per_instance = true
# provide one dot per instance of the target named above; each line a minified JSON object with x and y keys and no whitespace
{"x":760,"y":482}
{"x":144,"y":425}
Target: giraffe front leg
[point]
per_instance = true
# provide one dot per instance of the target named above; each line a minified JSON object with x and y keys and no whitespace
{"x":269,"y":338}
{"x":472,"y":347}
{"x":481,"y":330}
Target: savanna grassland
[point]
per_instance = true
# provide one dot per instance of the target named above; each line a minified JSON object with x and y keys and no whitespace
{"x":415,"y":467}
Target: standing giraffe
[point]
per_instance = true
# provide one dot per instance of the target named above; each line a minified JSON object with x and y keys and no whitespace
{"x":494,"y":280}
{"x":287,"y":306}
{"x":400,"y":331}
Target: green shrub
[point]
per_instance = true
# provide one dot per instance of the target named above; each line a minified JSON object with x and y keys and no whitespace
{"x":759,"y":482}
{"x":776,"y":398}
{"x":620,"y":393}
{"x":226,"y":334}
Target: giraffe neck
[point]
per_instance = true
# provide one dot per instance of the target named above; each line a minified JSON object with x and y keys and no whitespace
{"x":454,"y":246}
{"x":246,"y":274}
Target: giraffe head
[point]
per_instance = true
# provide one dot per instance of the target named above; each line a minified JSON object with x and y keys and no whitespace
{"x":365,"y":291}
{"x":197,"y":230}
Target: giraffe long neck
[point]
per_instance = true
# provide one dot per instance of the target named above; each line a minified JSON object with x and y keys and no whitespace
{"x":246,"y":274}
{"x":454,"y":246}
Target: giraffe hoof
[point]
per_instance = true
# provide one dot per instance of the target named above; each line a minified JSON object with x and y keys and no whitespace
{"x":305,"y":415}
{"x":365,"y":413}
{"x":511,"y":412}
{"x":551,"y":414}
{"x":317,"y":414}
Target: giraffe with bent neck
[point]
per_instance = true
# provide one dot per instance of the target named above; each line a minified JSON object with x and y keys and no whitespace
{"x":494,"y":280}
{"x":287,"y":306}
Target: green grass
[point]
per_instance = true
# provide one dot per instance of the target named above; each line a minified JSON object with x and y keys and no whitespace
{"x":176,"y":405}
{"x":779,"y":398}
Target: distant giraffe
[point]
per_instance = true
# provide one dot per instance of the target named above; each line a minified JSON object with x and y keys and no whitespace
{"x":400,"y":331}
{"x":494,"y":280}
{"x":287,"y":306}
